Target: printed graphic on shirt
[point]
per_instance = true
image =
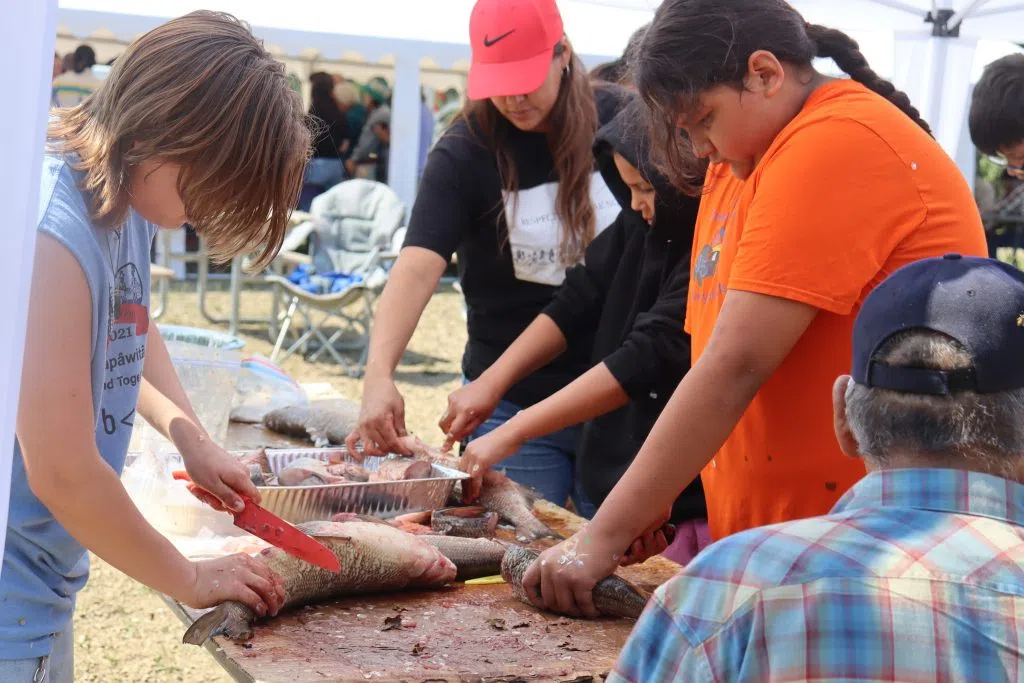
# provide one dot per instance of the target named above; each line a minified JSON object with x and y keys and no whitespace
{"x":535,"y":230}
{"x":707,"y":259}
{"x":705,"y":265}
{"x":126,"y":338}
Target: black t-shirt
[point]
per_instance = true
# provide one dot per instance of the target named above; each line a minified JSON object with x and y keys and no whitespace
{"x":332,"y":132}
{"x":508,"y":277}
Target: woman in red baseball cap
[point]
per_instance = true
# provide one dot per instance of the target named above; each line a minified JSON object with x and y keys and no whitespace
{"x":512,"y":188}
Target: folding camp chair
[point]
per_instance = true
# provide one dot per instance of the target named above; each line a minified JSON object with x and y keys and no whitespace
{"x":353,"y":227}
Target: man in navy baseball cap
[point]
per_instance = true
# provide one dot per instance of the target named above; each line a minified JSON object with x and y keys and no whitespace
{"x":916,"y":573}
{"x":976,"y":303}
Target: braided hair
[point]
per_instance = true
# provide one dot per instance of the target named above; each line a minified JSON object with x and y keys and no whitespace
{"x":845,"y":52}
{"x":694,"y":45}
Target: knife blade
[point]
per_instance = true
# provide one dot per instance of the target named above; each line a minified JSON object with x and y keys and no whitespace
{"x":264,"y":524}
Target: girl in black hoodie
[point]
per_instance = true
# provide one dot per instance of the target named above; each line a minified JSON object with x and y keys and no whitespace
{"x":627,"y":302}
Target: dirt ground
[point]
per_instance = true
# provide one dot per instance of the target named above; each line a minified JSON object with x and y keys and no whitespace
{"x":123,"y":632}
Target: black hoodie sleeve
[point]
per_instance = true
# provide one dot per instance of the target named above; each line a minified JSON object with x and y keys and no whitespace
{"x":577,"y":306}
{"x":656,"y":353}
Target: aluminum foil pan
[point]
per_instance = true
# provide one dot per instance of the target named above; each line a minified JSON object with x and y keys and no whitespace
{"x":378,"y":498}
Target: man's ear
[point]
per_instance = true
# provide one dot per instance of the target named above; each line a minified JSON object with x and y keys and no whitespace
{"x":847,"y":442}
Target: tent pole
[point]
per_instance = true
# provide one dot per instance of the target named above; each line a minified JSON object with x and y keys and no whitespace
{"x":965,"y":12}
{"x":405,"y":128}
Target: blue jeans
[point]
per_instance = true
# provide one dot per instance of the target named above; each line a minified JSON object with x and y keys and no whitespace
{"x":325,"y":172}
{"x":58,"y":667}
{"x":547,"y":464}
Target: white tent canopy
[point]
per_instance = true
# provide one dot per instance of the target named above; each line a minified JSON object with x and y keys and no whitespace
{"x":406,"y":31}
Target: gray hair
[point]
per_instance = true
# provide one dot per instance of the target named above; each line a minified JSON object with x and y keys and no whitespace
{"x":986,"y":429}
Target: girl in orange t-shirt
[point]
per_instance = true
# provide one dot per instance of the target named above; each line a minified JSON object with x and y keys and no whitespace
{"x":817,"y":189}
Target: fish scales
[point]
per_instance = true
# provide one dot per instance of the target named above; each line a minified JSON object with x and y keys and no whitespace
{"x":613,"y":596}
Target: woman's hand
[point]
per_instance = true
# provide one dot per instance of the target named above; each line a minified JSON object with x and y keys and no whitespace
{"x":219,"y":478}
{"x":381,"y":419}
{"x":235,"y":577}
{"x":484,"y":453}
{"x":468,"y":407}
{"x":562,"y":579}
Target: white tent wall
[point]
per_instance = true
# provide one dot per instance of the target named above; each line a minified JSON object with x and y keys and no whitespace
{"x":26,"y":39}
{"x":940,"y":91}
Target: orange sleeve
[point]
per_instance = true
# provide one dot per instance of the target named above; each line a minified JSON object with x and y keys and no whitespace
{"x":831,"y":204}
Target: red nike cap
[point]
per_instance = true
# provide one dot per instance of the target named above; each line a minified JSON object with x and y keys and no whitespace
{"x":512,"y":43}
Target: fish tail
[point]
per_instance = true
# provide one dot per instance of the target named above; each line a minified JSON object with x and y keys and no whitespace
{"x":529,"y":529}
{"x":227,"y":618}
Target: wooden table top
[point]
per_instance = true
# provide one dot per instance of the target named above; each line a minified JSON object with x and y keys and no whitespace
{"x":460,"y":633}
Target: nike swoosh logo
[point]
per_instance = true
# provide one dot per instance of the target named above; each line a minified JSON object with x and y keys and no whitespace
{"x":488,"y":43}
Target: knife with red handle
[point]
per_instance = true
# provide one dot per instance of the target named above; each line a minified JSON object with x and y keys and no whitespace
{"x":264,"y":524}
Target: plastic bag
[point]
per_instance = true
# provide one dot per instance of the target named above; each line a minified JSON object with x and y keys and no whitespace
{"x":194,"y":528}
{"x":167,"y":503}
{"x":262,"y":387}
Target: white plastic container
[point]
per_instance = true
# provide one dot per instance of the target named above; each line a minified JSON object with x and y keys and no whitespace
{"x":208,"y":365}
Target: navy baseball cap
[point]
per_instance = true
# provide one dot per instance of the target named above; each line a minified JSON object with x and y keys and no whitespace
{"x":979,"y":302}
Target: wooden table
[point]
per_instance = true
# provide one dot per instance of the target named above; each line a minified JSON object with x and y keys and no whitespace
{"x":460,"y":633}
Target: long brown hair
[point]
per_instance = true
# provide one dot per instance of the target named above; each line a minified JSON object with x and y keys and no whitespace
{"x":573,"y":123}
{"x":693,"y":45}
{"x":202,"y":92}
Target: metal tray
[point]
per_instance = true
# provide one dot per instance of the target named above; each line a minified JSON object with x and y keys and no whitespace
{"x":378,"y":498}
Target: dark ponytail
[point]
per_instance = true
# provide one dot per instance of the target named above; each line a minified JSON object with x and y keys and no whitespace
{"x":845,"y":52}
{"x":694,"y":45}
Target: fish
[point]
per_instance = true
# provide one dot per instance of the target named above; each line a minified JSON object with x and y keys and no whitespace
{"x":397,"y":522}
{"x":307,"y":472}
{"x":258,"y":466}
{"x":301,"y":476}
{"x":322,"y":425}
{"x":468,"y":522}
{"x":374,"y":558}
{"x":258,"y":458}
{"x":422,"y":517}
{"x":613,"y":596}
{"x":350,"y":471}
{"x":512,"y":503}
{"x":400,"y":468}
{"x":473,"y":557}
{"x":257,"y":476}
{"x":503,"y":496}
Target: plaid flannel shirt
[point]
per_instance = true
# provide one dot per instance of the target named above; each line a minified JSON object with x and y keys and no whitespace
{"x":916,"y":575}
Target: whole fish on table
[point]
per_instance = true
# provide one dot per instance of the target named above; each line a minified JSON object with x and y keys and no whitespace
{"x":613,"y":596}
{"x":321,"y":425}
{"x":374,"y":558}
